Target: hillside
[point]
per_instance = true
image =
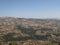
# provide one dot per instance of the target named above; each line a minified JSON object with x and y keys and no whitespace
{"x":16,"y":29}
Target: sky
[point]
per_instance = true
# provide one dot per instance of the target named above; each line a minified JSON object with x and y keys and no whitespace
{"x":30,"y":8}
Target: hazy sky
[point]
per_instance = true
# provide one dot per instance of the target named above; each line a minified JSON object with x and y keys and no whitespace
{"x":30,"y":8}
